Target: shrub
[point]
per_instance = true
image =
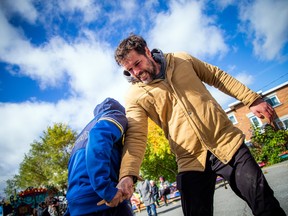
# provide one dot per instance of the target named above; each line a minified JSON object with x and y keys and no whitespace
{"x":268,"y":143}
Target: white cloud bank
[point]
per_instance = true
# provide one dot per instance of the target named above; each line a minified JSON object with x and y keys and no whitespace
{"x":266,"y":24}
{"x":186,"y":28}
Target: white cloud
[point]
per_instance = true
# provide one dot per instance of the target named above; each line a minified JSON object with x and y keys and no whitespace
{"x":24,"y":8}
{"x":266,"y":22}
{"x":128,"y":7}
{"x":21,"y":124}
{"x":222,"y":4}
{"x":89,"y":10}
{"x":245,"y":78}
{"x":88,"y":65}
{"x":187,"y":28}
{"x":34,"y":62}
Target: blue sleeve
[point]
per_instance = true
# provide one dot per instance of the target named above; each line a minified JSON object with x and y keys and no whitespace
{"x":100,"y":144}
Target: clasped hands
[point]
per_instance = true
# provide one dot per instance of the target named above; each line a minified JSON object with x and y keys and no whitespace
{"x":125,"y":191}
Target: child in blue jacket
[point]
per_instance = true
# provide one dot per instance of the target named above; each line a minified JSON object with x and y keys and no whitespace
{"x":94,"y":164}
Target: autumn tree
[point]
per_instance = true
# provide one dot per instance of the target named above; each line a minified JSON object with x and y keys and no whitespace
{"x":158,"y":160}
{"x":47,"y":161}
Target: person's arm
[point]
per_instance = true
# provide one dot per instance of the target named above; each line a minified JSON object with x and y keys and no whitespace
{"x":216,"y":77}
{"x":98,"y":152}
{"x":223,"y":81}
{"x":150,"y":187}
{"x":135,"y":140}
{"x":134,"y":148}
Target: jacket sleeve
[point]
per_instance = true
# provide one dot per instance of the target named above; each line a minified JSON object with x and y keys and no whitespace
{"x":98,"y":152}
{"x":216,"y":77}
{"x":135,"y":139}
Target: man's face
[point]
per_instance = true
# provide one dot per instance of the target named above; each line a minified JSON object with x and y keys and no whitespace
{"x":142,"y":67}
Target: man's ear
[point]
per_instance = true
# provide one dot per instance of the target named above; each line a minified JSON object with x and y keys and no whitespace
{"x":147,"y":52}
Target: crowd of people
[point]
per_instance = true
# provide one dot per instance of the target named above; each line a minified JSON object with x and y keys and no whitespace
{"x":51,"y":206}
{"x":152,"y":195}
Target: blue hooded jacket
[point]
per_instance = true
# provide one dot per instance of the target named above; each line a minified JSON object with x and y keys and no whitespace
{"x":94,"y":164}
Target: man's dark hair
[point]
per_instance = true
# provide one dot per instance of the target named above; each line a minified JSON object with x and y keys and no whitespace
{"x":133,"y":42}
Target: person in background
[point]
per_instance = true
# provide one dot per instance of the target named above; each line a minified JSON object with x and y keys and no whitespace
{"x":40,"y":209}
{"x":155,"y":192}
{"x":94,"y":164}
{"x":45,"y":209}
{"x":164,"y":188}
{"x":136,"y":202}
{"x":145,"y":190}
{"x":53,"y":207}
{"x":170,"y":89}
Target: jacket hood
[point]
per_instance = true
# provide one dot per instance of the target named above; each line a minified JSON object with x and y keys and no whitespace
{"x":108,"y":105}
{"x":129,"y":77}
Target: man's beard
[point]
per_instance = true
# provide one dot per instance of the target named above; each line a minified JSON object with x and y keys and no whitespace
{"x":151,"y":71}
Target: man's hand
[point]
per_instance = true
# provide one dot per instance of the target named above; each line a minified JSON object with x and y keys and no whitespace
{"x":126,"y":186}
{"x":262,"y":109}
{"x":125,"y":191}
{"x":118,"y":198}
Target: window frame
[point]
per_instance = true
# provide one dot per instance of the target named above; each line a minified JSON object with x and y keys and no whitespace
{"x":234,"y":117}
{"x":282,"y":120}
{"x":251,"y":116}
{"x":270,"y":97}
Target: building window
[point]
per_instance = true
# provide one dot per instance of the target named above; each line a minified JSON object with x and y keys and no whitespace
{"x":282,"y":123}
{"x":232,"y":118}
{"x":255,"y":121}
{"x":272,"y":100}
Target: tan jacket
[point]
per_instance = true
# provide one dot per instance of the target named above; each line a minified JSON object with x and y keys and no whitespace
{"x":191,"y":119}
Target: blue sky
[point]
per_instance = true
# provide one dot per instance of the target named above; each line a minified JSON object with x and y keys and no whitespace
{"x":56,"y":57}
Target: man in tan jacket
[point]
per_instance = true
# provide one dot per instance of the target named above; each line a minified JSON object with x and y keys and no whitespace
{"x":169,"y":89}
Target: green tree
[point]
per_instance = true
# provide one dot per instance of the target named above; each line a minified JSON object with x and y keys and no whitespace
{"x":47,"y":161}
{"x":11,"y":186}
{"x":268,"y":143}
{"x":158,"y":160}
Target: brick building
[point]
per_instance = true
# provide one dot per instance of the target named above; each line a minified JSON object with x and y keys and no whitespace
{"x":243,"y":118}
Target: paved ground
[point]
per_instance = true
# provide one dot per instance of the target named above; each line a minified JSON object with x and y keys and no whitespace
{"x":226,"y":203}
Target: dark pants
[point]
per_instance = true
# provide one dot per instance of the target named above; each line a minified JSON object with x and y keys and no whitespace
{"x":156,"y":198}
{"x":245,"y":178}
{"x":164,"y":193}
{"x":122,"y":209}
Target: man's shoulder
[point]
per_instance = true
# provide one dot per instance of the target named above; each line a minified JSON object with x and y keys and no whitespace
{"x":179,"y":54}
{"x":177,"y":58}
